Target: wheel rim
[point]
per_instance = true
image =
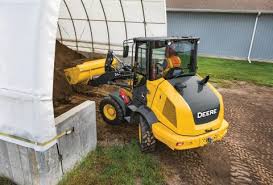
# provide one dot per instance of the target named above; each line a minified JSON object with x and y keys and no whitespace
{"x":110,"y":112}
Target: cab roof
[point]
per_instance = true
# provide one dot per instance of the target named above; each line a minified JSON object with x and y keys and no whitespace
{"x":149,"y":39}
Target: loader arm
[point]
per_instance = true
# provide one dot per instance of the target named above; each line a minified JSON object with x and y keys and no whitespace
{"x":98,"y":72}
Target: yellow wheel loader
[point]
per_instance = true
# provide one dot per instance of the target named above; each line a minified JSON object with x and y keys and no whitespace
{"x":162,"y":93}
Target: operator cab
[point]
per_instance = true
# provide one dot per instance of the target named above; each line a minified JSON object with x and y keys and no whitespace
{"x":159,"y":58}
{"x":169,"y":57}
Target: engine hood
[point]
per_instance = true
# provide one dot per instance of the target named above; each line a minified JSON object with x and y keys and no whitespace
{"x":204,"y":104}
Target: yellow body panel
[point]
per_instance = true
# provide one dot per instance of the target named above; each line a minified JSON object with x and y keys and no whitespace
{"x":179,"y":142}
{"x":184,"y":130}
{"x":82,"y":73}
{"x":152,"y":87}
{"x":185,"y":124}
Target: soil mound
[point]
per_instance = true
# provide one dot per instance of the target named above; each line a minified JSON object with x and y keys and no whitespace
{"x":64,"y":58}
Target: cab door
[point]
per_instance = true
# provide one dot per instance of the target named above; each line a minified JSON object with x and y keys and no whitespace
{"x":148,"y":72}
{"x":140,"y":75}
{"x":157,"y":59}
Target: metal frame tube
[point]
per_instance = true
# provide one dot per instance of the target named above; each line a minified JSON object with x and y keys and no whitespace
{"x":90,"y":28}
{"x":60,"y":31}
{"x":106,"y":22}
{"x":144,"y":18}
{"x":124,"y":19}
{"x":74,"y":27}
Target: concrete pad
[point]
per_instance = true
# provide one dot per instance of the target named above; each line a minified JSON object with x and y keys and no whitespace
{"x":84,"y":138}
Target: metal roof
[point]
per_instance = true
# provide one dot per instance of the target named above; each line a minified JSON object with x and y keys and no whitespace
{"x":246,"y":6}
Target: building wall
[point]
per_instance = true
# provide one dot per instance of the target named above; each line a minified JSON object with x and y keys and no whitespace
{"x":225,"y":34}
{"x":263,"y":43}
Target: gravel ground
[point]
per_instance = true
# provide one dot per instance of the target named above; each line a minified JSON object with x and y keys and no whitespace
{"x":245,"y":156}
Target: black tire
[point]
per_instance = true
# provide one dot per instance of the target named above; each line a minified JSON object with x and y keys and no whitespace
{"x":119,"y":113}
{"x":147,"y":141}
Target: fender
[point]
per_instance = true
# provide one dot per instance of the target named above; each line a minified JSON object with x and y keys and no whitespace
{"x":148,"y":114}
{"x":117,"y":98}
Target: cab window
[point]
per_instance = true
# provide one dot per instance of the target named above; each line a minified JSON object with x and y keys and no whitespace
{"x":157,"y":62}
{"x":184,"y":52}
{"x":141,"y":66}
{"x":172,"y":59}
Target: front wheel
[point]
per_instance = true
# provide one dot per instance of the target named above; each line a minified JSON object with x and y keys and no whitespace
{"x":147,"y":141}
{"x":111,"y":111}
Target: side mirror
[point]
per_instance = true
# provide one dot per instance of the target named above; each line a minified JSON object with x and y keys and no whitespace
{"x":125,"y":51}
{"x":204,"y":81}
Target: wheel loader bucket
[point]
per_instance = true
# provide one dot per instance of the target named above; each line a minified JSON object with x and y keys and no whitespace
{"x":82,"y":73}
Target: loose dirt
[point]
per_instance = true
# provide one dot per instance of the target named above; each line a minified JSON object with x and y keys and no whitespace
{"x":62,"y":91}
{"x":64,"y":58}
{"x":245,"y":156}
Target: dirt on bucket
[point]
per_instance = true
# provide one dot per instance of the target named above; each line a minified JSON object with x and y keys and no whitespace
{"x":63,"y":92}
{"x":64,"y":58}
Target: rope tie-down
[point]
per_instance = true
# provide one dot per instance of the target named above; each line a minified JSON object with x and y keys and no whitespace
{"x":43,"y":144}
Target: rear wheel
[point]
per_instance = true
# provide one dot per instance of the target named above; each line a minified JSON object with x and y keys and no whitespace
{"x":147,"y":141}
{"x":111,"y":111}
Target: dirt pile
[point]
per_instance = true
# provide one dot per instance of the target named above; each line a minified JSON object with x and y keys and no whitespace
{"x":62,"y":90}
{"x":64,"y":58}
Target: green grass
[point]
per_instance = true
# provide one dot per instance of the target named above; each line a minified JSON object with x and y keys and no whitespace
{"x":116,"y":165}
{"x":5,"y":181}
{"x":222,"y":69}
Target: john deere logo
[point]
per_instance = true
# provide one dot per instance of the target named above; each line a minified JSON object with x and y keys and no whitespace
{"x":206,"y":113}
